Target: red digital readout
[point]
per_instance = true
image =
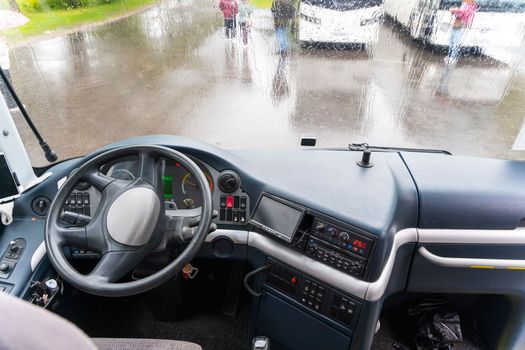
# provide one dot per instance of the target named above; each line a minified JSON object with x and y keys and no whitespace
{"x":359,"y":244}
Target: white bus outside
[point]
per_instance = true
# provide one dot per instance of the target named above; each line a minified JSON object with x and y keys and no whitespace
{"x":339,"y":21}
{"x":497,"y":23}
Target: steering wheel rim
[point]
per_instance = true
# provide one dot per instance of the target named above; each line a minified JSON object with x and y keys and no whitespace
{"x":123,"y":246}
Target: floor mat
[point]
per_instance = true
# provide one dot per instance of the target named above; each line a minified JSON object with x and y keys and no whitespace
{"x":131,"y":318}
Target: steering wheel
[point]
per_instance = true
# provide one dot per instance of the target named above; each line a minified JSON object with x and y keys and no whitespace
{"x":130,"y":221}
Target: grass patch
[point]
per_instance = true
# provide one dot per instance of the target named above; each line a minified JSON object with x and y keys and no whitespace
{"x":47,"y":21}
{"x":262,"y":4}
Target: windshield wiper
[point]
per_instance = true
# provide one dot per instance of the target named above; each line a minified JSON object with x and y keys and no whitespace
{"x":51,"y":156}
{"x":366,"y":146}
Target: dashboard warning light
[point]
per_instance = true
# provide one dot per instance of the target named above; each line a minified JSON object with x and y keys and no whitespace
{"x":293,"y":280}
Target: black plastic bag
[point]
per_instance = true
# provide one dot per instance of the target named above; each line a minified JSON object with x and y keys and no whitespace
{"x":437,"y":326}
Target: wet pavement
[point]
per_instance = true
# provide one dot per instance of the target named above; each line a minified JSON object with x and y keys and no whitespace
{"x":170,"y":70}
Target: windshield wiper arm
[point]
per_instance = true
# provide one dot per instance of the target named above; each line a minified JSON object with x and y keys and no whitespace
{"x":366,"y":146}
{"x":51,"y":156}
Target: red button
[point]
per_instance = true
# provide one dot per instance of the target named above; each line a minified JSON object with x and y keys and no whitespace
{"x":294,"y":280}
{"x":229,"y":202}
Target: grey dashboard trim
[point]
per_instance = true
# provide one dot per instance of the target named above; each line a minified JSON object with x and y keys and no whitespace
{"x":449,"y":236}
{"x":237,"y":236}
{"x":473,"y":263}
{"x":377,"y":289}
{"x":37,"y":256}
{"x":371,"y":291}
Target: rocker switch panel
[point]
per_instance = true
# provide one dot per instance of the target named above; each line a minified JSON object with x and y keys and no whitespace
{"x":11,"y":256}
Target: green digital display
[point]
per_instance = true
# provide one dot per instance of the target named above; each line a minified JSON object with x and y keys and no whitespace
{"x":167,"y":181}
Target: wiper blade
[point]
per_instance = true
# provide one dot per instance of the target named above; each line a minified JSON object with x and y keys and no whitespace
{"x":51,"y":156}
{"x":366,"y":146}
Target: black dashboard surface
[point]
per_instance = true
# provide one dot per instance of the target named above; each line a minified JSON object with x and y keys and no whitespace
{"x":378,"y":199}
{"x":468,"y":193}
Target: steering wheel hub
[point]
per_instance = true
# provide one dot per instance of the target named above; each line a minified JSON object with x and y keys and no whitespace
{"x":132,"y":216}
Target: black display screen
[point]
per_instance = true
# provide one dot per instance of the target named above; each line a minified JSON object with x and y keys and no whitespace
{"x":8,"y":186}
{"x":277,"y":218}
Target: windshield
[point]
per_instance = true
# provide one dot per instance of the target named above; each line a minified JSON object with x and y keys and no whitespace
{"x":261,"y":74}
{"x":490,"y":5}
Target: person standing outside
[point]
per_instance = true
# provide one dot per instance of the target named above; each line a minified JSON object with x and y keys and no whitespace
{"x":283,"y":13}
{"x":245,"y":11}
{"x":229,"y":10}
{"x":463,"y":17}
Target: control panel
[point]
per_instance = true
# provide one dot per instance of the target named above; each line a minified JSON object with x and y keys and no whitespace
{"x":314,"y":295}
{"x":335,"y":245}
{"x":11,"y":256}
{"x":341,"y":238}
{"x":332,"y":256}
{"x":322,"y":238}
{"x":233,"y":209}
{"x":78,"y":202}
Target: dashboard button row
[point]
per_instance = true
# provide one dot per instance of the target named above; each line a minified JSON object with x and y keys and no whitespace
{"x":233,"y":209}
{"x":78,"y":202}
{"x":349,"y":265}
{"x":342,"y":309}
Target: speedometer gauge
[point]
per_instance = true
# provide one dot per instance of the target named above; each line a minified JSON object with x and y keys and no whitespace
{"x":188,"y":183}
{"x":180,"y":187}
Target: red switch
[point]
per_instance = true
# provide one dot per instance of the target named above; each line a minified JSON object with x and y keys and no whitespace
{"x":294,"y":280}
{"x":229,"y":202}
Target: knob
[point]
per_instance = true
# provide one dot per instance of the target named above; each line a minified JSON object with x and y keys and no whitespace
{"x":52,"y":285}
{"x":344,"y":237}
{"x":40,"y":205}
{"x":311,"y":250}
{"x":365,"y":159}
{"x":332,"y":232}
{"x":229,"y":181}
{"x":4,"y":267}
{"x":13,"y":246}
{"x":320,"y":227}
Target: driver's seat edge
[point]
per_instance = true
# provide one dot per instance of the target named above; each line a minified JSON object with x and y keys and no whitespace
{"x":26,"y":326}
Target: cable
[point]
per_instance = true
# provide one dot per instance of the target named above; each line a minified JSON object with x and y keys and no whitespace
{"x":249,"y":276}
{"x":300,"y":239}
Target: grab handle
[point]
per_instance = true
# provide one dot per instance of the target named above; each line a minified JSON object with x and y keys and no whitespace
{"x":472,"y":263}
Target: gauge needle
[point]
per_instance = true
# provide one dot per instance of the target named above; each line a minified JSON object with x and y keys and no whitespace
{"x":190,"y":183}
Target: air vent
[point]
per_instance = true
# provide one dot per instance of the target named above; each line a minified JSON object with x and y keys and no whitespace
{"x":229,"y":181}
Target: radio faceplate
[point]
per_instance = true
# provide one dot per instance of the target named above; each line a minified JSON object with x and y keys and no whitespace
{"x":337,"y":246}
{"x":334,"y":257}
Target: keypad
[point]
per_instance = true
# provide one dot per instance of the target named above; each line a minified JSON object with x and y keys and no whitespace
{"x":312,"y":295}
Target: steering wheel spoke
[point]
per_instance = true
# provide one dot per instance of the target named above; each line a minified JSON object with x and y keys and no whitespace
{"x":84,"y":237}
{"x":72,"y":236}
{"x":116,"y":264}
{"x":149,"y":168}
{"x":183,"y":224}
{"x":98,"y":180}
